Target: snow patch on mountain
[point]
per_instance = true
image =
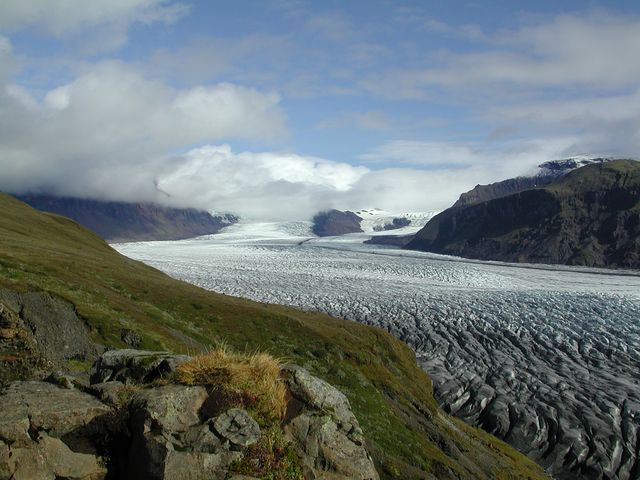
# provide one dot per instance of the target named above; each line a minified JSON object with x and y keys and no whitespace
{"x":559,"y":168}
{"x":374,"y":220}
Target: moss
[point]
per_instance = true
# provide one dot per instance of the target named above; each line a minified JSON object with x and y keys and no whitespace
{"x":78,"y":366}
{"x":271,"y":458}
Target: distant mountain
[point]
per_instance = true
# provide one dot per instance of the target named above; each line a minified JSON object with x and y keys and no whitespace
{"x":590,"y":216}
{"x":372,"y":220}
{"x":335,"y":222}
{"x":123,"y":222}
{"x":545,"y":174}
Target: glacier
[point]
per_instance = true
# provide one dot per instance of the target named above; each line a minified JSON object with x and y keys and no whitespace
{"x":545,"y":357}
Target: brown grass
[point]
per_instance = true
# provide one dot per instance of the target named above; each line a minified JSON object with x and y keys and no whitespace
{"x":252,"y":380}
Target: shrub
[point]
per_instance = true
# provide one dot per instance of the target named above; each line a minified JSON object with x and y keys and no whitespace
{"x":252,"y":380}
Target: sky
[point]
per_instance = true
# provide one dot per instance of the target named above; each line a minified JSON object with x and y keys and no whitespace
{"x":277,"y":109}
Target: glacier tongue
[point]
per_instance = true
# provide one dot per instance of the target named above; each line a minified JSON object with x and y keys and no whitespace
{"x":544,"y":357}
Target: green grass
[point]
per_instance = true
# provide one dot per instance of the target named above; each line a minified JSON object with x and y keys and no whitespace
{"x":391,"y":396}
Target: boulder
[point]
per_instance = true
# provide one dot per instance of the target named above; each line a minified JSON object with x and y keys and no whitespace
{"x":134,"y":366}
{"x":7,"y":465}
{"x":172,"y":408}
{"x":173,"y":439}
{"x":324,"y":430}
{"x":112,"y":393}
{"x":48,"y":432}
{"x":30,"y":407}
{"x":238,"y":427}
{"x":50,"y":458}
{"x":316,"y":394}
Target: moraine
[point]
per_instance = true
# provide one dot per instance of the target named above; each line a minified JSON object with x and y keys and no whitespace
{"x":544,"y":357}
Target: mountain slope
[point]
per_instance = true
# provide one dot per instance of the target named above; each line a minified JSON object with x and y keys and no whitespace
{"x":589,"y":217}
{"x":407,"y":434}
{"x":335,"y":222}
{"x":124,"y":222}
{"x":545,"y":174}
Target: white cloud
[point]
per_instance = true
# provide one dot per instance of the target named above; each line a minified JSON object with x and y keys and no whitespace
{"x":65,"y":17}
{"x":264,"y":185}
{"x":277,"y":186}
{"x":107,"y":21}
{"x":107,"y":133}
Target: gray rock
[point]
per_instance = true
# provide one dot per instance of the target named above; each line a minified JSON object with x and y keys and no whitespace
{"x":62,"y":380}
{"x":172,"y":408}
{"x":108,"y":392}
{"x":317,"y":394}
{"x":169,"y":440}
{"x":38,"y":423}
{"x":134,"y":366}
{"x":238,"y":427}
{"x":50,"y":458}
{"x":201,"y":438}
{"x":60,"y":334}
{"x":197,"y":465}
{"x":29,"y":407}
{"x":7,"y":465}
{"x":324,"y":430}
{"x":327,"y":452}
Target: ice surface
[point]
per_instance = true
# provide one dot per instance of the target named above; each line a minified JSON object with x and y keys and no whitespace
{"x":545,"y":357}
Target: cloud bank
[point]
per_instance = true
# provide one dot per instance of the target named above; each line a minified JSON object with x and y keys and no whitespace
{"x":109,"y":132}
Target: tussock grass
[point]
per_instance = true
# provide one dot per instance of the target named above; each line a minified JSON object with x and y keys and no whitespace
{"x":251,"y":380}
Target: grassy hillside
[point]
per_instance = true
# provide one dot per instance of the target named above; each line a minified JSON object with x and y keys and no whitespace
{"x":407,"y":434}
{"x":131,"y":222}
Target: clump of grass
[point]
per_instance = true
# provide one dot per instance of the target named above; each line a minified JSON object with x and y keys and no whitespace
{"x":252,"y":380}
{"x":272,"y":458}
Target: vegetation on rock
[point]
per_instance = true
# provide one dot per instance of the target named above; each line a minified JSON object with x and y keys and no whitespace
{"x":248,"y":380}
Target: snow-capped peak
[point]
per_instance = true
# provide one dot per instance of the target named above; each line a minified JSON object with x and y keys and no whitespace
{"x":559,"y":168}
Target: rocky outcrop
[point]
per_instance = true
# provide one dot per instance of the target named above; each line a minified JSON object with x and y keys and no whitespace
{"x":39,"y":332}
{"x":171,"y":434}
{"x":135,"y":430}
{"x":324,"y":430}
{"x":590,"y":217}
{"x":47,"y":432}
{"x":125,"y":222}
{"x":134,"y":366}
{"x":335,"y":222}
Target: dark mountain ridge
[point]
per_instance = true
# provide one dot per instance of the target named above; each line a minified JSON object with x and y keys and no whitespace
{"x":547,"y":173}
{"x":336,"y":222}
{"x":589,"y":217}
{"x":126,"y":222}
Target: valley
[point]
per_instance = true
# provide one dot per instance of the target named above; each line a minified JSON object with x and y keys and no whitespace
{"x":544,"y":357}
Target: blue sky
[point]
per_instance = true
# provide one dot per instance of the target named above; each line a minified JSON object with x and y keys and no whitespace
{"x":278,"y":109}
